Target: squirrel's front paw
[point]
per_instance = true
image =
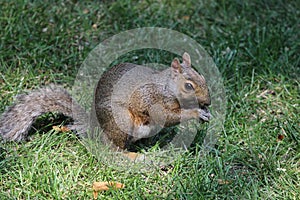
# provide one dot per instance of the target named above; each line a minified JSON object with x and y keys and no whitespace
{"x":204,"y":114}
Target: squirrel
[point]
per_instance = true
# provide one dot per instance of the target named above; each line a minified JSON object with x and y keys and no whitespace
{"x":131,"y":102}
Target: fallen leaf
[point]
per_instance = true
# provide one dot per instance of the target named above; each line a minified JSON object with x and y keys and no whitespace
{"x":106,"y":185}
{"x":186,"y":17}
{"x":94,"y":26}
{"x":61,"y":129}
{"x":131,"y":155}
{"x":280,"y":137}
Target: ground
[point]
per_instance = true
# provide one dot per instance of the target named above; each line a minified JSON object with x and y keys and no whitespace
{"x":255,"y":45}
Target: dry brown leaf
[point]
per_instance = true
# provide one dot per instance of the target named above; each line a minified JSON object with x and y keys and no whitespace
{"x":61,"y":129}
{"x":280,"y":137}
{"x":94,"y":26}
{"x":105,"y":185}
{"x":186,"y":17}
{"x":131,"y":155}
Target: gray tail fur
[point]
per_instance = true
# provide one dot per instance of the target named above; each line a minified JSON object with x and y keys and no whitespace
{"x":17,"y":120}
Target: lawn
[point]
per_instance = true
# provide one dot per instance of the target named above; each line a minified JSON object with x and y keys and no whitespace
{"x":256,"y":47}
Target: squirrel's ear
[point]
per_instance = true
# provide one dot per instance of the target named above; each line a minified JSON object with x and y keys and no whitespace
{"x":186,"y":59}
{"x":176,"y":67}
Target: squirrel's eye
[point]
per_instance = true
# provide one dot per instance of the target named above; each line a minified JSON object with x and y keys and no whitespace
{"x":188,"y":86}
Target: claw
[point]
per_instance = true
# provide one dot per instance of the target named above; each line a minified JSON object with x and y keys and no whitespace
{"x":205,"y":115}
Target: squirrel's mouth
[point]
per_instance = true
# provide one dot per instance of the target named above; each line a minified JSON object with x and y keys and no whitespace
{"x":205,"y":114}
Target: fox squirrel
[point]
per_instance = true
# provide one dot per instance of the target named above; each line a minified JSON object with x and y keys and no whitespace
{"x":126,"y":109}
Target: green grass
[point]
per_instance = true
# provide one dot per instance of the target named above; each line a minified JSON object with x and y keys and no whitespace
{"x":256,"y":46}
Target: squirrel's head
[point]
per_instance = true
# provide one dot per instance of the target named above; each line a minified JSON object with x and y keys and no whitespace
{"x":190,"y":87}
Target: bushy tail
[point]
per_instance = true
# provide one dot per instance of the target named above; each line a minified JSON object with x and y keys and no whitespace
{"x":17,"y":120}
